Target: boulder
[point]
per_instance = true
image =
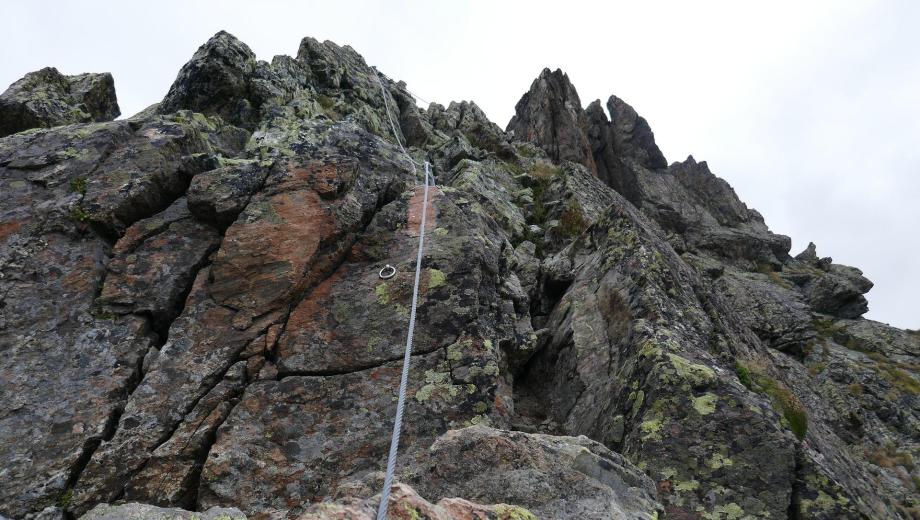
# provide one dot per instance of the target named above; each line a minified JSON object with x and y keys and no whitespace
{"x":47,"y":98}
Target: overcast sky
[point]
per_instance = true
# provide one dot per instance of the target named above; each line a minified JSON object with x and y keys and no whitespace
{"x":811,"y":110}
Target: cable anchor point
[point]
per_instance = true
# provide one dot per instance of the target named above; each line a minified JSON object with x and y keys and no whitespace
{"x":387,"y":272}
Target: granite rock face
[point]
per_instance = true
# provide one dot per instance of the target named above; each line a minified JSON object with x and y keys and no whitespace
{"x":193,"y":325}
{"x":47,"y":98}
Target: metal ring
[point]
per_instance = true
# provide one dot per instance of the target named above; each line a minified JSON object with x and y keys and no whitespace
{"x":390,"y":272}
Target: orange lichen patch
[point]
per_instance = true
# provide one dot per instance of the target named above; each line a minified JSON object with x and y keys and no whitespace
{"x":131,"y":239}
{"x":358,"y":253}
{"x":8,"y":228}
{"x":327,"y":178}
{"x":665,"y":487}
{"x":415,"y":210}
{"x":310,"y":318}
{"x":301,"y":176}
{"x":137,"y":233}
{"x":271,"y":336}
{"x":83,"y":277}
{"x":503,"y":404}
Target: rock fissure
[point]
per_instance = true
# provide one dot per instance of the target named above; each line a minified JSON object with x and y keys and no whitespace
{"x":113,"y":421}
{"x":188,"y":489}
{"x":108,"y":431}
{"x":795,"y":495}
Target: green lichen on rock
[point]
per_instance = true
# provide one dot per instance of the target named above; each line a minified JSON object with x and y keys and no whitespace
{"x":719,"y":461}
{"x":637,"y":401}
{"x":784,"y":401}
{"x":478,"y":419}
{"x":697,"y":376}
{"x":730,"y":511}
{"x":508,"y":512}
{"x":705,"y":404}
{"x":652,"y":429}
{"x":649,"y":350}
{"x":687,"y":485}
{"x":822,"y":503}
{"x":436,"y":278}
{"x":383,"y":293}
{"x":456,"y":350}
{"x":437,"y":383}
{"x":405,"y":511}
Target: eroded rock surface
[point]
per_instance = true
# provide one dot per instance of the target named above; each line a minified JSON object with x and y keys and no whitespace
{"x":191,"y":316}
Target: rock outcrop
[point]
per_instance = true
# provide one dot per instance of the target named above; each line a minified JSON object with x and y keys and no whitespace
{"x":47,"y":98}
{"x":550,"y":115}
{"x":404,"y":504}
{"x":617,"y":143}
{"x":191,"y":316}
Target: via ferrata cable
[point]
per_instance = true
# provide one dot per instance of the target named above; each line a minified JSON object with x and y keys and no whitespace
{"x":407,"y":357}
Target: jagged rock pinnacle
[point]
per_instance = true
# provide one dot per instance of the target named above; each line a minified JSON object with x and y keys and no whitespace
{"x":550,"y":115}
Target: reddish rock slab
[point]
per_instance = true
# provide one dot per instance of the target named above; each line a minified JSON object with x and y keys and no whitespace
{"x":286,"y":237}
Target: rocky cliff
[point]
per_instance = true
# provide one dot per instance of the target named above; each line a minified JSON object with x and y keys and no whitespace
{"x":192,"y":324}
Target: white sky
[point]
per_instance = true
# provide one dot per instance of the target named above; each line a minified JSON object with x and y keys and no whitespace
{"x":811,"y":110}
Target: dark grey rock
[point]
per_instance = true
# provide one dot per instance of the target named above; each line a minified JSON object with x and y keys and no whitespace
{"x":690,"y":201}
{"x":47,"y":98}
{"x":621,"y":143}
{"x":219,"y":80}
{"x":550,"y":115}
{"x":632,"y":136}
{"x":219,"y":195}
